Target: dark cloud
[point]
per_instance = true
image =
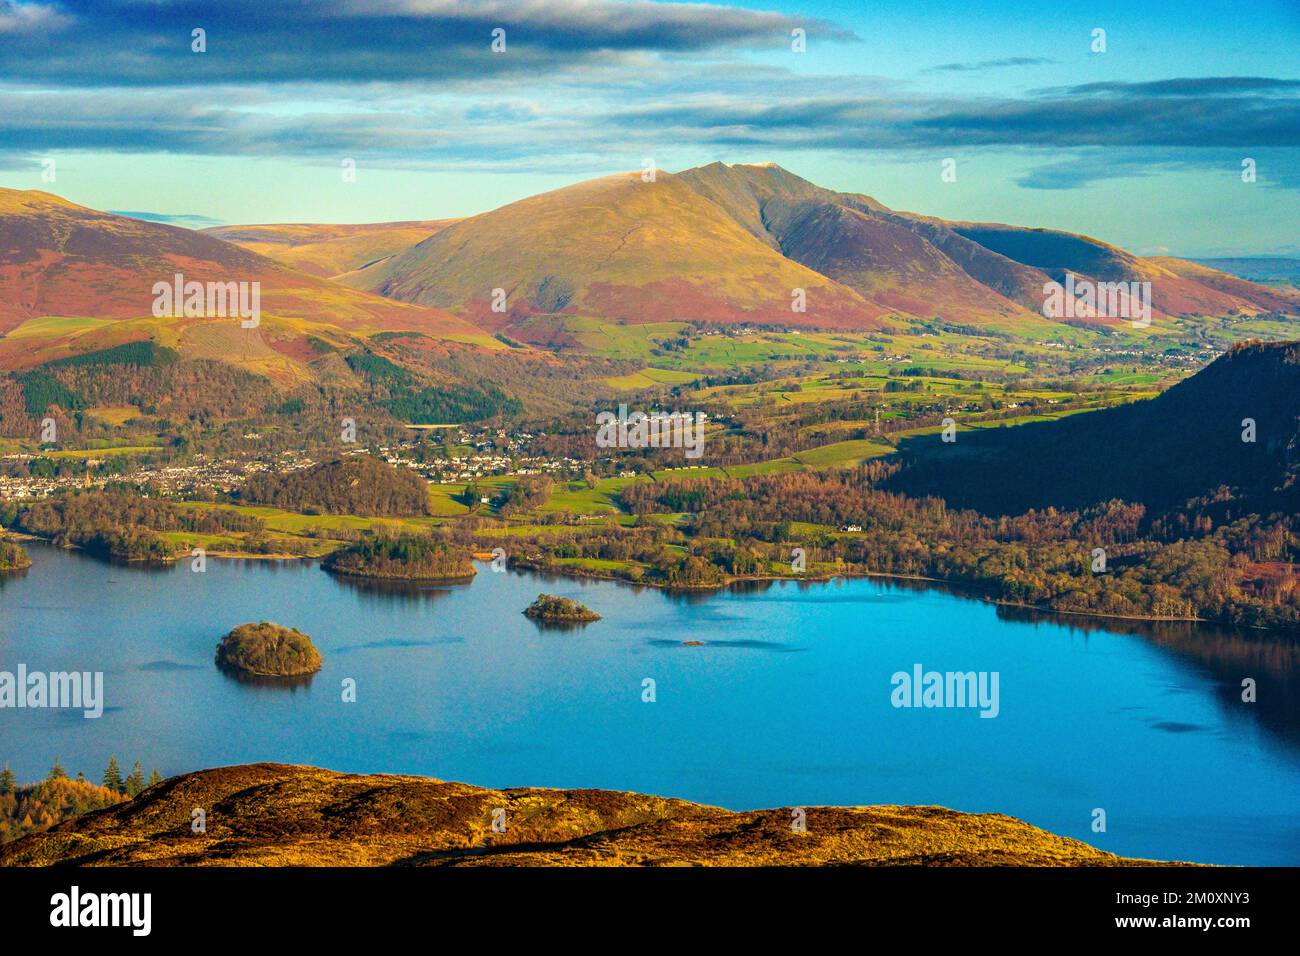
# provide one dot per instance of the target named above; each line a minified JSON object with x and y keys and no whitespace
{"x":183,"y":123}
{"x":387,"y":129}
{"x":980,"y":65}
{"x":939,"y":123}
{"x":148,"y":42}
{"x":390,"y":131}
{"x":413,"y":83}
{"x":1078,"y":171}
{"x":1195,"y":86}
{"x":1276,"y":168}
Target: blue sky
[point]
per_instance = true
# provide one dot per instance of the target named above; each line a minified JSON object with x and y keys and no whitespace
{"x":1141,"y":144}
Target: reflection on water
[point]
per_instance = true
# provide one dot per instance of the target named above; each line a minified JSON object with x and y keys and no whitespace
{"x":384,"y":589}
{"x":168,"y":666}
{"x":748,"y":645}
{"x":7,"y":576}
{"x":772,"y":693}
{"x":542,"y":624}
{"x":1228,"y":656}
{"x":287,"y":682}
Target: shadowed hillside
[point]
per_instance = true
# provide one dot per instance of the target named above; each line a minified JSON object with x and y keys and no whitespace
{"x":915,"y":266}
{"x":278,"y":815}
{"x":1184,"y":444}
{"x":1178,"y":287}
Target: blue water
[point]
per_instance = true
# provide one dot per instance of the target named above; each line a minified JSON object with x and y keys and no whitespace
{"x":787,"y":702}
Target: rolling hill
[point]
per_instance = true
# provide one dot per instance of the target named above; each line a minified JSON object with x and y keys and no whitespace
{"x":75,"y":280}
{"x":279,"y":815}
{"x":719,"y":245}
{"x":979,"y":273}
{"x":727,"y":244}
{"x":1186,"y":443}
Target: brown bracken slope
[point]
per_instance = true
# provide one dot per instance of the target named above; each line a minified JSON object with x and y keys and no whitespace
{"x":61,"y":260}
{"x":279,"y":815}
{"x":729,"y":244}
{"x":330,"y":249}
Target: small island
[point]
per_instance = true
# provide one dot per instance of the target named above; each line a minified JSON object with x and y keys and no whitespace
{"x":405,"y":557}
{"x":14,"y":557}
{"x":560,"y":610}
{"x":268,"y":650}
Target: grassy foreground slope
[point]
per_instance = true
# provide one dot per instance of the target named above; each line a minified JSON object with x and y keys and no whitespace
{"x":280,"y":815}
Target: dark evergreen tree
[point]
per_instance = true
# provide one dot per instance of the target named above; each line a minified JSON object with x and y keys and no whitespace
{"x":113,"y":776}
{"x":135,"y":782}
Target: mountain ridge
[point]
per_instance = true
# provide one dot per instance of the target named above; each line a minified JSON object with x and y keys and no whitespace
{"x":873,"y":264}
{"x":718,"y":245}
{"x":75,"y":280}
{"x":612,"y":247}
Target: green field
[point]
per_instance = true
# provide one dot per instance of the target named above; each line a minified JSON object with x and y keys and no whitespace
{"x":107,"y":452}
{"x":649,"y":378}
{"x":291,"y":522}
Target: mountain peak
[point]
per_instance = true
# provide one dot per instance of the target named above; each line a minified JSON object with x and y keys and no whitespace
{"x":618,"y":247}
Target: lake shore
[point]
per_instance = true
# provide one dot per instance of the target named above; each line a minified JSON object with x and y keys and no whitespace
{"x":577,"y":572}
{"x":964,"y":589}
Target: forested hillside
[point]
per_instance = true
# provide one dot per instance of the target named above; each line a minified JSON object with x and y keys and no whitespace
{"x":358,"y":485}
{"x":1229,"y":435}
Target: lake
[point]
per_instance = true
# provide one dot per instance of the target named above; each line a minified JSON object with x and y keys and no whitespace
{"x":787,"y":702}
